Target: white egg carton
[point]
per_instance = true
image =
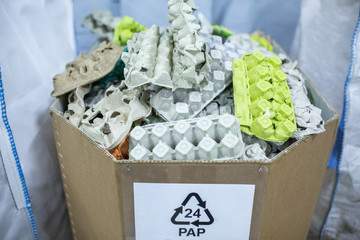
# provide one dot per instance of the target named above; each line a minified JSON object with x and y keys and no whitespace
{"x":101,"y":23}
{"x":208,"y":138}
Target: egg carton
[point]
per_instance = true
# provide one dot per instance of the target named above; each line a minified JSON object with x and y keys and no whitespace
{"x":262,"y":98}
{"x":97,"y":93}
{"x":175,"y":60}
{"x":254,"y":152}
{"x":256,"y":149}
{"x":209,"y":138}
{"x":149,"y":59}
{"x":125,"y":30}
{"x":184,"y":103}
{"x":308,"y":117}
{"x":222,"y":104}
{"x":110,"y":120}
{"x":87,"y":69}
{"x":140,"y":67}
{"x":76,"y":105}
{"x":101,"y":23}
{"x":243,"y":42}
{"x":245,"y":45}
{"x":189,"y":56}
{"x":93,"y":98}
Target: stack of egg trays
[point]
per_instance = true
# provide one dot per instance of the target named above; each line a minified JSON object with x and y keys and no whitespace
{"x":207,"y":138}
{"x":185,"y":103}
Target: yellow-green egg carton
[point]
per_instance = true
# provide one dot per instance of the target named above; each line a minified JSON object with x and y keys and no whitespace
{"x":125,"y":30}
{"x":262,"y":98}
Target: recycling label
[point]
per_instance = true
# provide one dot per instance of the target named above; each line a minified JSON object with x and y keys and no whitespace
{"x":168,"y":211}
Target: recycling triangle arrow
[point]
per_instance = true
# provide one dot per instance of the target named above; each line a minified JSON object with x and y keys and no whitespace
{"x":196,"y":223}
{"x":178,"y":211}
{"x":211,"y":220}
{"x":201,"y":202}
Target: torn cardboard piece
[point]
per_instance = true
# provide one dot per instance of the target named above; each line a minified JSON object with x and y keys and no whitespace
{"x":87,"y":69}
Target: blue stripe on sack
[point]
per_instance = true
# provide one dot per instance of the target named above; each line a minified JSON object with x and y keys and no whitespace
{"x":337,"y":153}
{"x":16,"y":157}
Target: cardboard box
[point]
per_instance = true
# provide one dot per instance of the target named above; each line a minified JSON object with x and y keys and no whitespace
{"x":99,"y":190}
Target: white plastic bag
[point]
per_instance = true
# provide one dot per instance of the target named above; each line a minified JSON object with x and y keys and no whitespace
{"x":324,"y":48}
{"x":37,"y":41}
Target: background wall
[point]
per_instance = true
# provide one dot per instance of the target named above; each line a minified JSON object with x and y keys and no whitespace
{"x":275,"y":17}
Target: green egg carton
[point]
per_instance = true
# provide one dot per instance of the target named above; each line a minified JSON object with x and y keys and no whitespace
{"x":125,"y":30}
{"x":221,"y":31}
{"x":262,"y":98}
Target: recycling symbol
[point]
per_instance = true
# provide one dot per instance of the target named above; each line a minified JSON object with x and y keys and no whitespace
{"x":191,"y":214}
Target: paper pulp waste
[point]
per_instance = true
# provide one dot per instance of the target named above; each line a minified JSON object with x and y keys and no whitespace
{"x":187,"y":92}
{"x":87,"y":69}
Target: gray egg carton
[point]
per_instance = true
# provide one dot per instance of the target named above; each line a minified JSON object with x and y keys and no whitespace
{"x":175,"y":59}
{"x":208,"y":138}
{"x":185,"y":103}
{"x":149,"y":59}
{"x":101,"y":23}
{"x":224,"y":103}
{"x":245,"y":45}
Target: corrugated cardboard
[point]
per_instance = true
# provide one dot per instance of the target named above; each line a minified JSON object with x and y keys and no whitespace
{"x":99,"y":189}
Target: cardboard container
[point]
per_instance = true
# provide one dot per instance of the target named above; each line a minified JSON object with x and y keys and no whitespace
{"x":100,"y":194}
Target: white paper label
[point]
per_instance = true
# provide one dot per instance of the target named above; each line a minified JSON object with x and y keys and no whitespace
{"x":166,"y":211}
